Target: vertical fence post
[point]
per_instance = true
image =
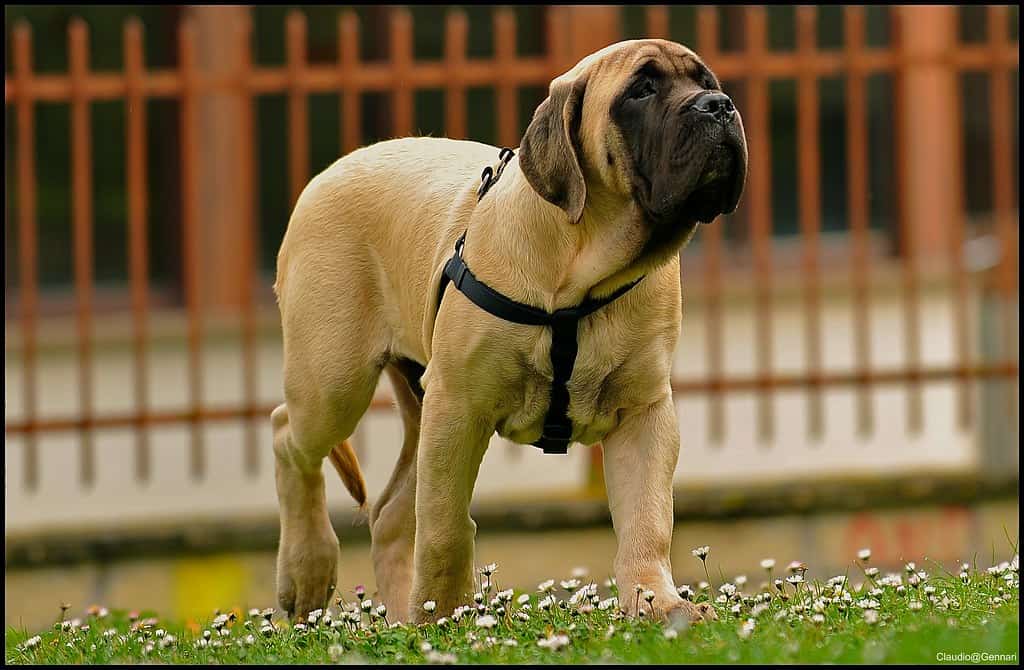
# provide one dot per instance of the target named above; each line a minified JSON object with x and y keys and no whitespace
{"x":298,"y":103}
{"x":454,"y":60}
{"x":219,"y":56}
{"x":506,"y":100}
{"x":348,"y":61}
{"x":929,"y":151}
{"x":556,"y":28}
{"x":759,"y":204}
{"x":1002,"y":453}
{"x":809,"y":180}
{"x":248,"y":243}
{"x":28,"y":249}
{"x":711,"y":238}
{"x":657,"y":22}
{"x":591,"y":28}
{"x":961,"y":321}
{"x":138,"y":253}
{"x":401,"y":62}
{"x":82,"y":225}
{"x":1005,"y":211}
{"x":908,"y":232}
{"x":857,"y":208}
{"x":190,"y":240}
{"x":927,"y":34}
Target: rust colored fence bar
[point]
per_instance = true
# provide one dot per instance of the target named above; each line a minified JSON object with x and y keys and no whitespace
{"x":1006,"y":218}
{"x":138,"y":253}
{"x":1006,"y":213}
{"x":857,"y":206}
{"x":1007,"y":371}
{"x":401,"y":63}
{"x":809,"y":180}
{"x":372,"y":77}
{"x":348,"y":56}
{"x":657,"y":22}
{"x":190,"y":242}
{"x":247,"y":241}
{"x":298,"y":102}
{"x":960,"y":322}
{"x":506,"y":102}
{"x":907,"y":235}
{"x":556,"y":26}
{"x":707,"y":45}
{"x":82,"y":224}
{"x":480,"y":72}
{"x":28,"y":276}
{"x":759,"y":208}
{"x":456,"y":30}
{"x":1002,"y":150}
{"x":1004,"y":370}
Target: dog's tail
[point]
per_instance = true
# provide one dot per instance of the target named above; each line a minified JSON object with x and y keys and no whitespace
{"x":344,"y":460}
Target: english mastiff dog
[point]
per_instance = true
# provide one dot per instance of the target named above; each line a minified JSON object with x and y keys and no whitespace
{"x":632,"y":149}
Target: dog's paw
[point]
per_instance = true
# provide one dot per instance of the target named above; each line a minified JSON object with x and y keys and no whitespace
{"x":685,"y":613}
{"x":306,"y":575}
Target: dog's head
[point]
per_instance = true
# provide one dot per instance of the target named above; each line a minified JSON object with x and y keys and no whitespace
{"x":644,"y":120}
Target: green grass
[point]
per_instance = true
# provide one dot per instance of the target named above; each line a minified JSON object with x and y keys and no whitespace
{"x":866,"y":619}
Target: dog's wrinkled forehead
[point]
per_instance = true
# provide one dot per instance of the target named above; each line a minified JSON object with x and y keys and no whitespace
{"x":617,"y":61}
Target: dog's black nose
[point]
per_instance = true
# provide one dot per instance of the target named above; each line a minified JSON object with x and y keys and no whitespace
{"x":715,"y":103}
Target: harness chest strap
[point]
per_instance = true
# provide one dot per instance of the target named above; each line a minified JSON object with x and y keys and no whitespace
{"x":564,"y":324}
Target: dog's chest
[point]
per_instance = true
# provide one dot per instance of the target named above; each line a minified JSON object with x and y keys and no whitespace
{"x":598,"y":389}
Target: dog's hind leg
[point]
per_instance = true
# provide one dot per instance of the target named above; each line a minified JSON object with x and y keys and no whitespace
{"x":393,"y":517}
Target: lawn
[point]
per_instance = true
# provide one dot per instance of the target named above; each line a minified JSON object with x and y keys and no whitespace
{"x":779,"y":614}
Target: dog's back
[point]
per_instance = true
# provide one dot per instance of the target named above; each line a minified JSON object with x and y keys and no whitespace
{"x":383,"y":212}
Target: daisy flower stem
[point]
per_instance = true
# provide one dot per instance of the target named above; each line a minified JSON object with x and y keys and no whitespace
{"x":711,"y":586}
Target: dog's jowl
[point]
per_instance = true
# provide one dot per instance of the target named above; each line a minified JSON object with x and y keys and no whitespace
{"x":633,"y":148}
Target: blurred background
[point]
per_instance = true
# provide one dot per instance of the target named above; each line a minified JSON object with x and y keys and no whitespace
{"x":847,"y":374}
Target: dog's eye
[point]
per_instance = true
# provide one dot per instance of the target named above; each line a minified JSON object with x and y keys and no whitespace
{"x":642,"y":89}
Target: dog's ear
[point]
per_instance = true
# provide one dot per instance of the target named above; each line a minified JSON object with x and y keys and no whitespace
{"x":549,"y":154}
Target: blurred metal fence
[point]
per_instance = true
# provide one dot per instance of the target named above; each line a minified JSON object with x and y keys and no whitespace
{"x":755,"y":65}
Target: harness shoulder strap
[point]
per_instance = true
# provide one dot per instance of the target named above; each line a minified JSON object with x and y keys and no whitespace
{"x":485,"y":297}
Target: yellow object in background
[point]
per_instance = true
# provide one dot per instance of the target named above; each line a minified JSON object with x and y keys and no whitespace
{"x":204,"y":584}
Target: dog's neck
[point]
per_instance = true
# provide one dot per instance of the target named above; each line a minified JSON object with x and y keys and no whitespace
{"x":525,"y":247}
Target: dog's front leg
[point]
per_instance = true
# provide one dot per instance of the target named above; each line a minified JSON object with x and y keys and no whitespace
{"x":640,"y":458}
{"x":452,"y":445}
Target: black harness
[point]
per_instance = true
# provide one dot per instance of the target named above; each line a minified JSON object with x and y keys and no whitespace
{"x":564,"y":323}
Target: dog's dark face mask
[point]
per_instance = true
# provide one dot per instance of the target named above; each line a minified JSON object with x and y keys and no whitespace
{"x":685,"y":142}
{"x":674,"y":137}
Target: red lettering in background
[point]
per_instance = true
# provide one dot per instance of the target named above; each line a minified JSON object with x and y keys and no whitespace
{"x":941,"y":534}
{"x":865,"y":530}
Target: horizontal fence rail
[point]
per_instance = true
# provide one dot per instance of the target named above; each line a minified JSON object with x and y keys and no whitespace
{"x":755,"y":66}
